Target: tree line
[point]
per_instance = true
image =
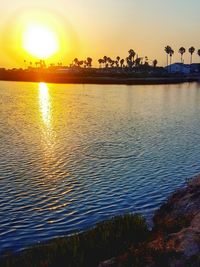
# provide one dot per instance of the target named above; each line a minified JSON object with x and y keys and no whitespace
{"x":131,"y":61}
{"x":170,"y":52}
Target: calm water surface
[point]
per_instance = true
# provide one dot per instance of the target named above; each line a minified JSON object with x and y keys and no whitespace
{"x":73,"y":155}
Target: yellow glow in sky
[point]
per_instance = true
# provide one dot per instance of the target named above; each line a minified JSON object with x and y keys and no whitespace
{"x":39,"y":41}
{"x":32,"y":34}
{"x":82,"y":31}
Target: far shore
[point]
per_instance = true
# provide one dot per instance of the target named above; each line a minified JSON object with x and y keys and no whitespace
{"x":93,"y":77}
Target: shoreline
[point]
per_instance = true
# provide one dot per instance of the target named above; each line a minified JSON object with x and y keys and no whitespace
{"x":94,"y":78}
{"x":174,"y":239}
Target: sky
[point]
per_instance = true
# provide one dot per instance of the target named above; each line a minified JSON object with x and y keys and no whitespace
{"x":103,"y":27}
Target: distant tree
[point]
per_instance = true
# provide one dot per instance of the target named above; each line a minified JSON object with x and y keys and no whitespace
{"x":191,"y":51}
{"x":182,"y":51}
{"x":118,"y":58}
{"x":167,"y":50}
{"x":75,"y":61}
{"x":89,"y":62}
{"x":122,"y":62}
{"x":116,"y":63}
{"x":109,"y":60}
{"x":138,"y":61}
{"x":105,"y":58}
{"x":155,"y":62}
{"x":112,"y":63}
{"x":85,"y":63}
{"x":80,"y":63}
{"x":25,"y":63}
{"x":130,"y":59}
{"x":100,"y":62}
{"x":131,"y":54}
{"x":146,"y":62}
{"x":129,"y":62}
{"x":171,"y":54}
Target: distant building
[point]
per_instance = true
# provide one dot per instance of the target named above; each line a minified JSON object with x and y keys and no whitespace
{"x":183,"y":68}
{"x":195,"y":68}
{"x":178,"y":68}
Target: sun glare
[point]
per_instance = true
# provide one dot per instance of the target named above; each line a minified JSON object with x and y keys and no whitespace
{"x":40,"y":41}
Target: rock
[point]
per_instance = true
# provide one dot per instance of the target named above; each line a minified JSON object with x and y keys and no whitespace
{"x":179,"y":222}
{"x":108,"y":263}
{"x":180,"y":208}
{"x":175,"y":235}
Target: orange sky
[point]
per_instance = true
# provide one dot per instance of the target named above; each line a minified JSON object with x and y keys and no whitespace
{"x":97,"y":28}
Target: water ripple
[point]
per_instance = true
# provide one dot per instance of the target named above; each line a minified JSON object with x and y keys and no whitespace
{"x":92,"y":154}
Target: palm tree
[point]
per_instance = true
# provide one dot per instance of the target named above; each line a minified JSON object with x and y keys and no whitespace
{"x":116,"y":63}
{"x":138,"y":61}
{"x":80,"y":63}
{"x":171,"y":54}
{"x":103,"y":62}
{"x":131,"y":54}
{"x":89,"y":62}
{"x":155,"y":62}
{"x":112,"y":62}
{"x":167,"y":50}
{"x":75,"y":61}
{"x":105,"y":58}
{"x":122,"y":62}
{"x":25,"y":63}
{"x":146,"y":59}
{"x":100,"y":62}
{"x":191,"y":51}
{"x":109,"y":60}
{"x":131,"y":58}
{"x":182,"y":50}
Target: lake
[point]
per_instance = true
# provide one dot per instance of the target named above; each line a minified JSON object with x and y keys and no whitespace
{"x":74,"y":155}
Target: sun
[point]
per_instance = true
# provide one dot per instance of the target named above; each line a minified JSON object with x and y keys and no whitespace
{"x":40,"y":41}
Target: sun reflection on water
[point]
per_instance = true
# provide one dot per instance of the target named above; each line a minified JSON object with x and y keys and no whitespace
{"x":47,"y":135}
{"x":45,"y":104}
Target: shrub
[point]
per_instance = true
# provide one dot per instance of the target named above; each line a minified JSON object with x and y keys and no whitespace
{"x":104,"y":241}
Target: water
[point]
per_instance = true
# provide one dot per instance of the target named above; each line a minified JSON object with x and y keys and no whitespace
{"x":73,"y":155}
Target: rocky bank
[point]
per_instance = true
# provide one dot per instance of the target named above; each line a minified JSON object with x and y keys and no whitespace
{"x":175,"y":237}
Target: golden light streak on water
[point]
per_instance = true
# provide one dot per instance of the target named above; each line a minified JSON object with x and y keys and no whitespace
{"x":47,"y":136}
{"x":45,"y":104}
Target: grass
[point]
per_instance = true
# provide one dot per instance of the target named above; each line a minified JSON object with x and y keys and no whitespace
{"x":104,"y":241}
